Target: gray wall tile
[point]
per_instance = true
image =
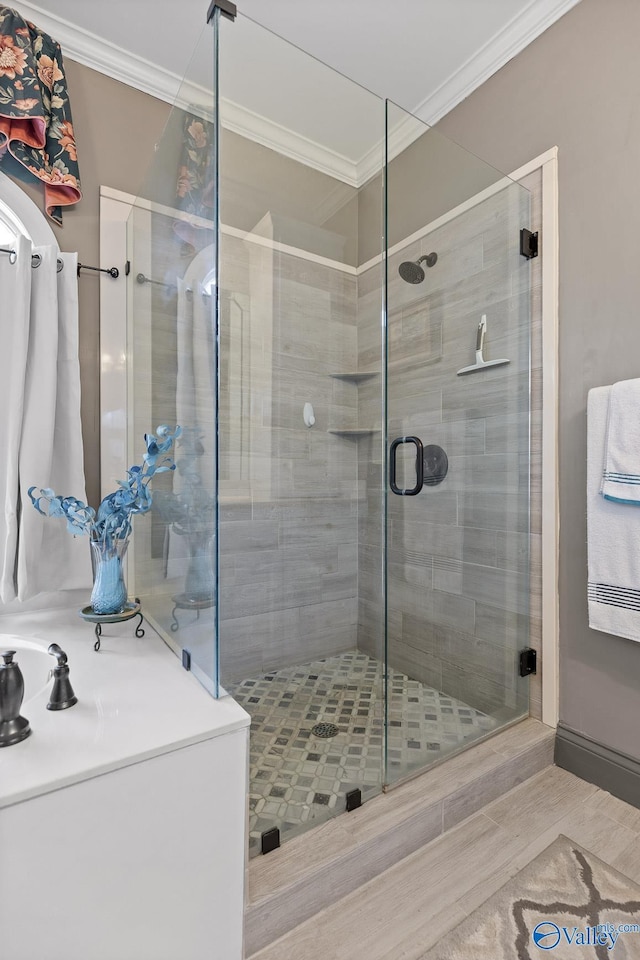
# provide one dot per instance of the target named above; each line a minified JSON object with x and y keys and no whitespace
{"x":302,"y":561}
{"x":473,"y":529}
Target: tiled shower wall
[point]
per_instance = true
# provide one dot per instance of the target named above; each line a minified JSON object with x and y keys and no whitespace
{"x":461,"y":595}
{"x":301,"y":532}
{"x":288,"y":535}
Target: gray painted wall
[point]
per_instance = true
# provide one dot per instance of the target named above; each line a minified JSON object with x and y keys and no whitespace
{"x":578,"y":86}
{"x":257,"y":181}
{"x":428,"y":179}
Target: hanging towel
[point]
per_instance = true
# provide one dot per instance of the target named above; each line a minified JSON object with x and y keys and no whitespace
{"x":36,"y":129}
{"x":621,"y":476}
{"x":613,"y":535}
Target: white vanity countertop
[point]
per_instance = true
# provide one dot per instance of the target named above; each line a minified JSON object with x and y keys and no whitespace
{"x":135,"y":701}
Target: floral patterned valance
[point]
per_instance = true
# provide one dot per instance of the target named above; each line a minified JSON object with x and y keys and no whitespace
{"x":36,"y":130}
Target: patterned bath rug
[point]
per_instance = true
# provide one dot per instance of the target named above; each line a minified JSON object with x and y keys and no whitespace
{"x":564,"y":905}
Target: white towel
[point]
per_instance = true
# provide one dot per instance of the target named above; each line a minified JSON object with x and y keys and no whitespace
{"x":621,"y":477}
{"x":613,"y":538}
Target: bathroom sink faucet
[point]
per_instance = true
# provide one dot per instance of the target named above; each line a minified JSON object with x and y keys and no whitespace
{"x":62,"y":695}
{"x":13,"y":727}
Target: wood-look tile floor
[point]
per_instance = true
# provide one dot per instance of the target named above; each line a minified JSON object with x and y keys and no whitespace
{"x":405,"y":910}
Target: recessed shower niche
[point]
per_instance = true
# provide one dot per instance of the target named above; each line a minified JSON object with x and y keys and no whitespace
{"x":371,"y":628}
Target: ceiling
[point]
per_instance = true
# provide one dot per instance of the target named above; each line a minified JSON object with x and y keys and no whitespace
{"x":425,"y":55}
{"x":406,"y":50}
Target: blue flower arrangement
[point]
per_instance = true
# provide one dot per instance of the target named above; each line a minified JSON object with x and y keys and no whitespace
{"x":112,"y":521}
{"x":109,"y":527}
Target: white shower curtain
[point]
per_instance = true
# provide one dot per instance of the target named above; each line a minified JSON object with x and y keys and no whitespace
{"x":195,"y":379}
{"x":40,"y":433}
{"x":195,"y":389}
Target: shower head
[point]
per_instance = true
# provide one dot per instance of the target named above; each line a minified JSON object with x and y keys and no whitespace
{"x":412,"y":272}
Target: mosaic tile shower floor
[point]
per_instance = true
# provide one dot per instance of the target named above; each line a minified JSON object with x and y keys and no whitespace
{"x":297,"y":778}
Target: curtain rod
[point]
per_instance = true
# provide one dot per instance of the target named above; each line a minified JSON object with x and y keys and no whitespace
{"x":140,"y":278}
{"x":112,"y":271}
{"x":36,"y":260}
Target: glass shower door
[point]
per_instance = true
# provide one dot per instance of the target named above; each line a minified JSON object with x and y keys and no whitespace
{"x":457,"y":524}
{"x":300,"y":418}
{"x":173,"y":371}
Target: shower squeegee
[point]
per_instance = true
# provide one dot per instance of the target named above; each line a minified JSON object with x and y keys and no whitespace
{"x":481,"y":363}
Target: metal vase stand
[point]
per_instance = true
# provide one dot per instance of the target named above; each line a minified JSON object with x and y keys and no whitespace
{"x":132,"y":609}
{"x":185,"y":602}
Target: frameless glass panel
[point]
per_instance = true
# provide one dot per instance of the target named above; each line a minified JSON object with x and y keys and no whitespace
{"x":172,"y":363}
{"x":301,"y":453}
{"x":458,"y":319}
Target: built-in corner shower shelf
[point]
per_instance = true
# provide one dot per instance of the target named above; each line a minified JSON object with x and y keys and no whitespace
{"x":353,"y":434}
{"x":354,"y":377}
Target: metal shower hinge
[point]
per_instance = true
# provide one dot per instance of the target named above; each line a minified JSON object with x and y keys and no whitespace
{"x":226,"y":7}
{"x":269,"y":840}
{"x":528,"y":244}
{"x":527,"y":661}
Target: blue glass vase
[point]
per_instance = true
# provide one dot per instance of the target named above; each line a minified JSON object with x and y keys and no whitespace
{"x":109,"y":594}
{"x":199,"y":584}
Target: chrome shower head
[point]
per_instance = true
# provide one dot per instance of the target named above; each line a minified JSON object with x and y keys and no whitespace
{"x":412,"y":272}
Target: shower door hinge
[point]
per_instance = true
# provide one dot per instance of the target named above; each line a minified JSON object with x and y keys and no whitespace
{"x":226,"y":7}
{"x":527,"y":661}
{"x":269,"y":840}
{"x":528,"y":244}
{"x":353,"y":799}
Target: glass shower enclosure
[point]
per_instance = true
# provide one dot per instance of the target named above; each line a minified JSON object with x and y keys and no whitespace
{"x":328,"y":297}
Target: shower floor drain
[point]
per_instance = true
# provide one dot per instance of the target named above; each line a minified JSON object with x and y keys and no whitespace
{"x":325,"y":730}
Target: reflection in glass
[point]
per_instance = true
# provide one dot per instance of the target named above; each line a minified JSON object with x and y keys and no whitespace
{"x":297,"y":330}
{"x":172,"y":342}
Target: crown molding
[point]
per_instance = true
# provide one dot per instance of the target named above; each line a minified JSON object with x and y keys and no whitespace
{"x":537,"y":17}
{"x":92,"y":51}
{"x":113,"y":61}
{"x":254,"y":127}
{"x":399,"y":138}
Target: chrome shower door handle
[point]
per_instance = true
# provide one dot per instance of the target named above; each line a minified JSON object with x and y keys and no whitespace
{"x":410,"y":491}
